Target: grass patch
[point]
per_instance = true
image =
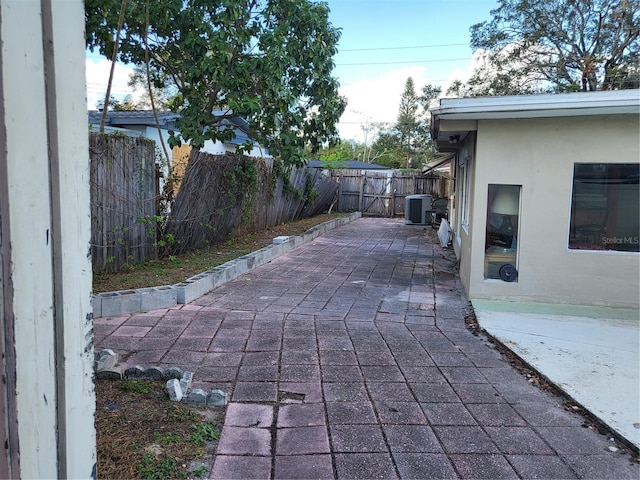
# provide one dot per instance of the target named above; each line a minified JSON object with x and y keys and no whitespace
{"x":177,"y":268}
{"x":142,"y":434}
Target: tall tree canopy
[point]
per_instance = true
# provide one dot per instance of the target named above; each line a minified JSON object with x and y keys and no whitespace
{"x":407,"y":123}
{"x":557,"y":45}
{"x":268,"y":61}
{"x":409,"y":138}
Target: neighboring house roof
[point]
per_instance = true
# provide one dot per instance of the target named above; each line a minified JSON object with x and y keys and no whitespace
{"x":122,"y":131}
{"x":166,"y":120}
{"x":117,"y":118}
{"x":526,"y":106}
{"x":349,"y":164}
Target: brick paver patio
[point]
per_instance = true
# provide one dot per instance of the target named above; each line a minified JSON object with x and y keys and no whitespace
{"x":349,"y":358}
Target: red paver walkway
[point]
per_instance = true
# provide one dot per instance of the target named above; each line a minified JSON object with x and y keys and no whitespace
{"x":349,"y":358}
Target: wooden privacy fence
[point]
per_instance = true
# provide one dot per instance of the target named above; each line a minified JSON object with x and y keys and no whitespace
{"x":220,"y":195}
{"x":383,"y":193}
{"x":124,"y":194}
{"x":225,"y":194}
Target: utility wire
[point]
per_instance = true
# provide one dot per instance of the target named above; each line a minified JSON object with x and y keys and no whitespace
{"x":401,"y":48}
{"x":399,"y":63}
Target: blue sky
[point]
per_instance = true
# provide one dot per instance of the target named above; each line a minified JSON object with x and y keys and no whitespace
{"x":383,"y":43}
{"x":384,"y":25}
{"x":374,"y":58}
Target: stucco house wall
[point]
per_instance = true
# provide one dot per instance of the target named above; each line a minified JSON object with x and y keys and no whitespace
{"x":534,"y":142}
{"x":539,"y":154}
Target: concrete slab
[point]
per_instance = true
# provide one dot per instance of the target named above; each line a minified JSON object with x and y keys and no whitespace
{"x":591,"y":353}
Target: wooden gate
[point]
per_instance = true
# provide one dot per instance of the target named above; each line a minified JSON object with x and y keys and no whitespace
{"x":376,"y":195}
{"x":383,"y":193}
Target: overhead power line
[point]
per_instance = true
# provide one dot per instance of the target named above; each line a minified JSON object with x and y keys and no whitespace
{"x":399,"y":63}
{"x":402,"y":48}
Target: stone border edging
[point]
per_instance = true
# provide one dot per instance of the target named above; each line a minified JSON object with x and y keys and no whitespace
{"x":178,"y":386}
{"x":109,"y":304}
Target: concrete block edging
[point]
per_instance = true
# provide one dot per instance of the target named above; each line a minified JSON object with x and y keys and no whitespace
{"x":110,"y":304}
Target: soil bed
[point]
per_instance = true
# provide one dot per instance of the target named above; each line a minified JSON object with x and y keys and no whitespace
{"x":142,"y":434}
{"x":175,"y":269}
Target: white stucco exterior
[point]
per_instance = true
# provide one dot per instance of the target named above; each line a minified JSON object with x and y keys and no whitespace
{"x":536,"y":149}
{"x":46,"y":236}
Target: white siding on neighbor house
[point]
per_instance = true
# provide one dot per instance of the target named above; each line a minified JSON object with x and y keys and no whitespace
{"x":48,"y":208}
{"x":219,"y":148}
{"x":152,"y":133}
{"x":215,"y":148}
{"x":539,"y":154}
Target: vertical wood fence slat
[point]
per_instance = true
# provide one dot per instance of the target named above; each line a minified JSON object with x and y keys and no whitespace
{"x":123,"y":190}
{"x":208,"y":209}
{"x":381,"y":194}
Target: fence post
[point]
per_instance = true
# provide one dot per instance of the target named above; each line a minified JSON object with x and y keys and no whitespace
{"x":363,"y":180}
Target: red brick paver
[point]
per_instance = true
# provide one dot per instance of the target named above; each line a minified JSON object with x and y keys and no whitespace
{"x":349,"y":357}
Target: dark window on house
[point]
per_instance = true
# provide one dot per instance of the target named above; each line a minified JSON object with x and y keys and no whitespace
{"x":501,"y":247}
{"x":605,"y":211}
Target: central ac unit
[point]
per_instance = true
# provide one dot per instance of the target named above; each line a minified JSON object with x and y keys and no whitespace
{"x":417,"y":209}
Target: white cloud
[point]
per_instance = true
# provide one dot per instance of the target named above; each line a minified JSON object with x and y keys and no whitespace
{"x":464,"y":74}
{"x":372,"y":100}
{"x":97,"y":76}
{"x":377,"y":99}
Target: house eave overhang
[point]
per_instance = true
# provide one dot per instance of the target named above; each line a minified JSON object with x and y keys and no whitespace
{"x":533,"y":106}
{"x":620,"y":102}
{"x":439,"y":163}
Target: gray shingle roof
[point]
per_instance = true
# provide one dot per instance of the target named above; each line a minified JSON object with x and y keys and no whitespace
{"x":349,"y":164}
{"x":133,"y":117}
{"x":166,"y":119}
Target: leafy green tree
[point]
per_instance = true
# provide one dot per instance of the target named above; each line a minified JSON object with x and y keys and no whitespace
{"x":348,"y":150}
{"x":389,"y":149}
{"x":268,"y":61}
{"x":370,"y":130}
{"x":115,"y":104}
{"x":165,"y":95}
{"x":429,"y":94}
{"x":341,"y":151}
{"x":556,"y":45}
